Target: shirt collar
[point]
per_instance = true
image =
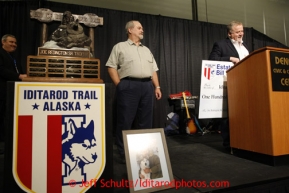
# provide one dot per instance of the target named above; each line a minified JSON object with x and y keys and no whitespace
{"x":132,"y":43}
{"x":235,"y":42}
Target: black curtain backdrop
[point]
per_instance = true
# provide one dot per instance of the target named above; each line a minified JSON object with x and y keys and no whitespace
{"x":179,"y":45}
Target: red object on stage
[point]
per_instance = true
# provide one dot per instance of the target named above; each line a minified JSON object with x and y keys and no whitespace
{"x":180,"y":95}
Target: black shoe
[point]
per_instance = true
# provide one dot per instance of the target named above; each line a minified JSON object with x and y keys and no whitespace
{"x":1,"y":151}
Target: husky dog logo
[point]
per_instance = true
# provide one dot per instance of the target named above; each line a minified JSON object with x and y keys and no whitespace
{"x":78,"y":150}
{"x":58,"y":140}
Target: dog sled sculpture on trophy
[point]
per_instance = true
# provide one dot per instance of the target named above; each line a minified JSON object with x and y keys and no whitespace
{"x":68,"y":54}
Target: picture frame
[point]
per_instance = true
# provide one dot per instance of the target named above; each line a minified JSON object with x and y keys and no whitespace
{"x":147,"y":160}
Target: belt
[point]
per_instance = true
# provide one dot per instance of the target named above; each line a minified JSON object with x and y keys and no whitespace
{"x":137,"y":79}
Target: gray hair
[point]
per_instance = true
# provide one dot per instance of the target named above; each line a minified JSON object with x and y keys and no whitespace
{"x":231,"y":24}
{"x":130,"y":25}
{"x":4,"y":38}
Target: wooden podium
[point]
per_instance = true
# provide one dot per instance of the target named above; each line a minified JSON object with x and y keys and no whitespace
{"x":258,"y":103}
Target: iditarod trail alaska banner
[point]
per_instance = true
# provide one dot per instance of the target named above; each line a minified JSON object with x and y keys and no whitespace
{"x":59,"y":136}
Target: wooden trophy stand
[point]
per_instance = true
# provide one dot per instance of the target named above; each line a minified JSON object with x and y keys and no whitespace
{"x":63,"y":69}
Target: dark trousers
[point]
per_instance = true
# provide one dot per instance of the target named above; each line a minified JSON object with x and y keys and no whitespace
{"x":225,"y":132}
{"x":2,"y":119}
{"x":134,"y":100}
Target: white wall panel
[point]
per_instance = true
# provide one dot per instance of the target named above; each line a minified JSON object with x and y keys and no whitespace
{"x":170,"y":8}
{"x":266,"y":16}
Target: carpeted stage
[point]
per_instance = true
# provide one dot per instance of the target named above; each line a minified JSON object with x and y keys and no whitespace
{"x":203,"y":158}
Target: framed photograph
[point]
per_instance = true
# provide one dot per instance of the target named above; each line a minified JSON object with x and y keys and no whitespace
{"x":147,"y":160}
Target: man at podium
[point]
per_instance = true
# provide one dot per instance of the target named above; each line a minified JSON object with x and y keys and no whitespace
{"x":231,"y":49}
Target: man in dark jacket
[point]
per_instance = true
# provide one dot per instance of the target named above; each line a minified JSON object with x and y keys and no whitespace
{"x":231,"y":49}
{"x":10,"y":70}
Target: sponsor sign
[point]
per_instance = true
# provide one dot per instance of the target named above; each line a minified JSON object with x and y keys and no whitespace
{"x":59,"y":136}
{"x":213,"y":92}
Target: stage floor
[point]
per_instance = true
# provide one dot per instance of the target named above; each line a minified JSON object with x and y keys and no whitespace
{"x":203,"y":159}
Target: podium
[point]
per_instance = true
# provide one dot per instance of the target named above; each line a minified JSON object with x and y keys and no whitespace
{"x":258,"y":105}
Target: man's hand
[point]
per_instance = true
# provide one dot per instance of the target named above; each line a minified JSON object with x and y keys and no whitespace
{"x":158,"y":93}
{"x":113,"y":75}
{"x":21,"y":76}
{"x":147,"y":170}
{"x":234,"y":60}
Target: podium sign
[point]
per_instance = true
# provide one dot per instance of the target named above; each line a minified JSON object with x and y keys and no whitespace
{"x":59,"y":136}
{"x":213,"y":92}
{"x":280,"y":71}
